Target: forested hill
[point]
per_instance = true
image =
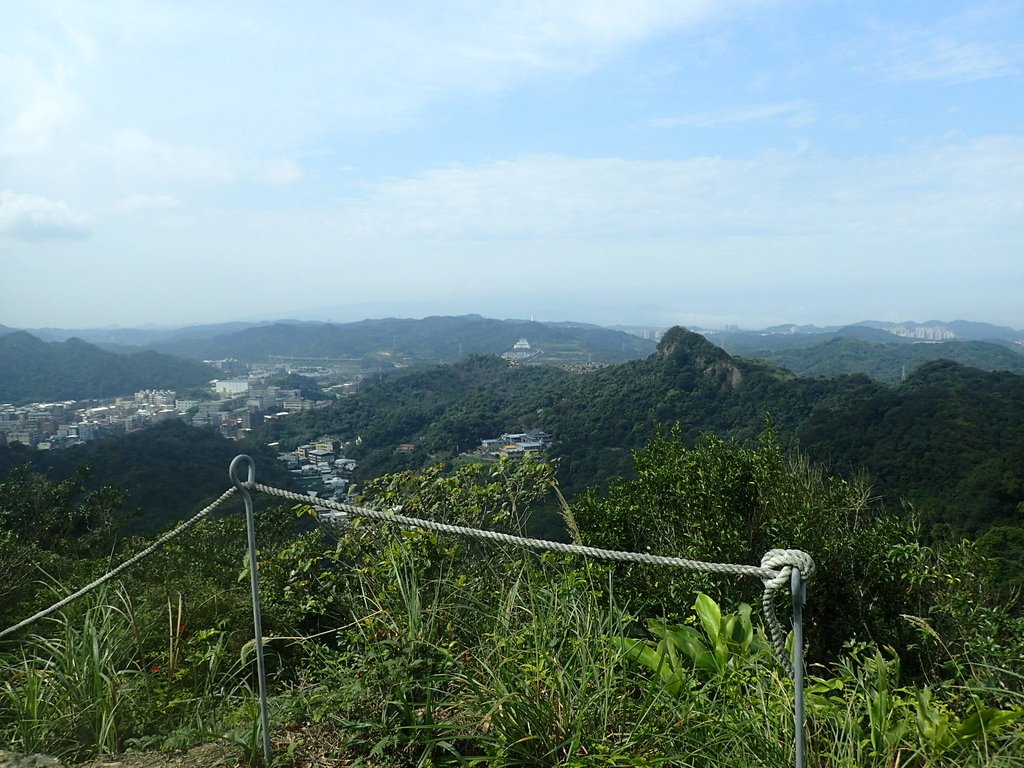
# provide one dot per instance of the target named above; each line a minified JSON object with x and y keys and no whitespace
{"x":950,"y":439}
{"x":883,"y":356}
{"x":431,"y":339}
{"x":167,"y":472}
{"x":909,"y":437}
{"x":35,"y":370}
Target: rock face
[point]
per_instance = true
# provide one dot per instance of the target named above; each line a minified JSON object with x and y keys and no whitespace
{"x":15,"y":760}
{"x":683,"y":349}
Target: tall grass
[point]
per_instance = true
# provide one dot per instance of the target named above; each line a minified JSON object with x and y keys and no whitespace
{"x":70,"y":692}
{"x":452,"y":660}
{"x":97,"y":682}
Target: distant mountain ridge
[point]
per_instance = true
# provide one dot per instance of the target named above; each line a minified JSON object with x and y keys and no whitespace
{"x":432,"y":339}
{"x":35,"y":370}
{"x":965,"y":330}
{"x":931,"y":330}
{"x":887,"y":362}
{"x":134,"y":337}
{"x":884,"y":350}
{"x":935,"y":330}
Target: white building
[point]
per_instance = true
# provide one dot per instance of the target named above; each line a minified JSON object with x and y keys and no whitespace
{"x":231,"y":387}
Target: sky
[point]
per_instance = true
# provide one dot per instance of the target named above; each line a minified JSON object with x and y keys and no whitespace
{"x":702,"y":162}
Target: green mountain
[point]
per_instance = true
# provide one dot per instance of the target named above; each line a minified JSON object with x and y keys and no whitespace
{"x":949,"y":440}
{"x":944,"y":431}
{"x":134,"y":338}
{"x":168,"y":471}
{"x":432,"y":339}
{"x":35,"y":370}
{"x":889,"y":362}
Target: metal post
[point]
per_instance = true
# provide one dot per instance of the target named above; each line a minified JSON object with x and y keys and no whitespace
{"x":798,"y":588}
{"x":254,"y":578}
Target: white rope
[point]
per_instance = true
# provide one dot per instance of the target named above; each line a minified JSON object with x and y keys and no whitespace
{"x":123,"y":566}
{"x":782,"y":561}
{"x":774,"y":572}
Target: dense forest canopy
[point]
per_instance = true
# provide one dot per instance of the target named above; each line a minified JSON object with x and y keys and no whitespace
{"x":948,"y":439}
{"x":32,"y":370}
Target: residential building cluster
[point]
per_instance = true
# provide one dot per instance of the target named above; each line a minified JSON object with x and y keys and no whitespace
{"x":244,"y":404}
{"x":239,"y":405}
{"x":62,"y":424}
{"x":923,"y":332}
{"x":321,"y":469}
{"x":514,"y":445}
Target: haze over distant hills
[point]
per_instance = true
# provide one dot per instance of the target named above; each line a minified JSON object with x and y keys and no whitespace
{"x":431,"y":339}
{"x":884,"y":351}
{"x":931,"y":330}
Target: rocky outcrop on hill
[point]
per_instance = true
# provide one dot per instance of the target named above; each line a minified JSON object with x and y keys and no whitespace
{"x":685,"y":349}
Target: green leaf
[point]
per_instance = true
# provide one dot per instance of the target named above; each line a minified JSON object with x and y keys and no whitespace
{"x":985,"y":719}
{"x":746,"y":625}
{"x":689,"y":641}
{"x":710,"y":616}
{"x":656,"y":661}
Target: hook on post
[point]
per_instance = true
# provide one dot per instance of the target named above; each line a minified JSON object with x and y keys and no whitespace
{"x":236,"y":464}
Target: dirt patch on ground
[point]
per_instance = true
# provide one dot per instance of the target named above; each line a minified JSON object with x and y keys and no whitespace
{"x":203,"y":756}
{"x":309,"y":746}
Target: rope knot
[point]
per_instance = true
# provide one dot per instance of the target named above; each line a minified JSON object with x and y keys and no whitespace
{"x":782,"y":562}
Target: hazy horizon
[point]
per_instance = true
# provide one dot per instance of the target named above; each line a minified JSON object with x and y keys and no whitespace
{"x":621,"y":162}
{"x":339,"y":316}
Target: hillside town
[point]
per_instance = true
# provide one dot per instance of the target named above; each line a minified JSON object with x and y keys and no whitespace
{"x":233,"y":407}
{"x":321,"y":469}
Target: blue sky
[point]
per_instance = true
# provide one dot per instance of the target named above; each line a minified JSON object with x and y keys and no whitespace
{"x":628,"y":162}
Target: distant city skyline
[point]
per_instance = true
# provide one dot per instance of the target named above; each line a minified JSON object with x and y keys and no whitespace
{"x":622,"y":162}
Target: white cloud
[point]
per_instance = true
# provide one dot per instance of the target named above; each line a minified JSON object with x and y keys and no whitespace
{"x":134,"y":154}
{"x":961,"y":43}
{"x":29,"y":217}
{"x":941,"y":58}
{"x":951,"y":188}
{"x":264,"y":75}
{"x":276,"y":172}
{"x":37,"y":106}
{"x":139,"y":203}
{"x":793,"y":113}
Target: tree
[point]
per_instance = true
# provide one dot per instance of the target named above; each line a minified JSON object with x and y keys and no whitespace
{"x":50,"y":529}
{"x":730,"y":502}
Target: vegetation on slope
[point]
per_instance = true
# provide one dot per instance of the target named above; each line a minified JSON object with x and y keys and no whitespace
{"x":32,"y":370}
{"x":166,"y":472}
{"x":390,"y":647}
{"x":947,"y":439}
{"x":889,"y":362}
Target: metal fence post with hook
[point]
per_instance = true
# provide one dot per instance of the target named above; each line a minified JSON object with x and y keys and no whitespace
{"x":798,"y":587}
{"x":254,"y":579}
